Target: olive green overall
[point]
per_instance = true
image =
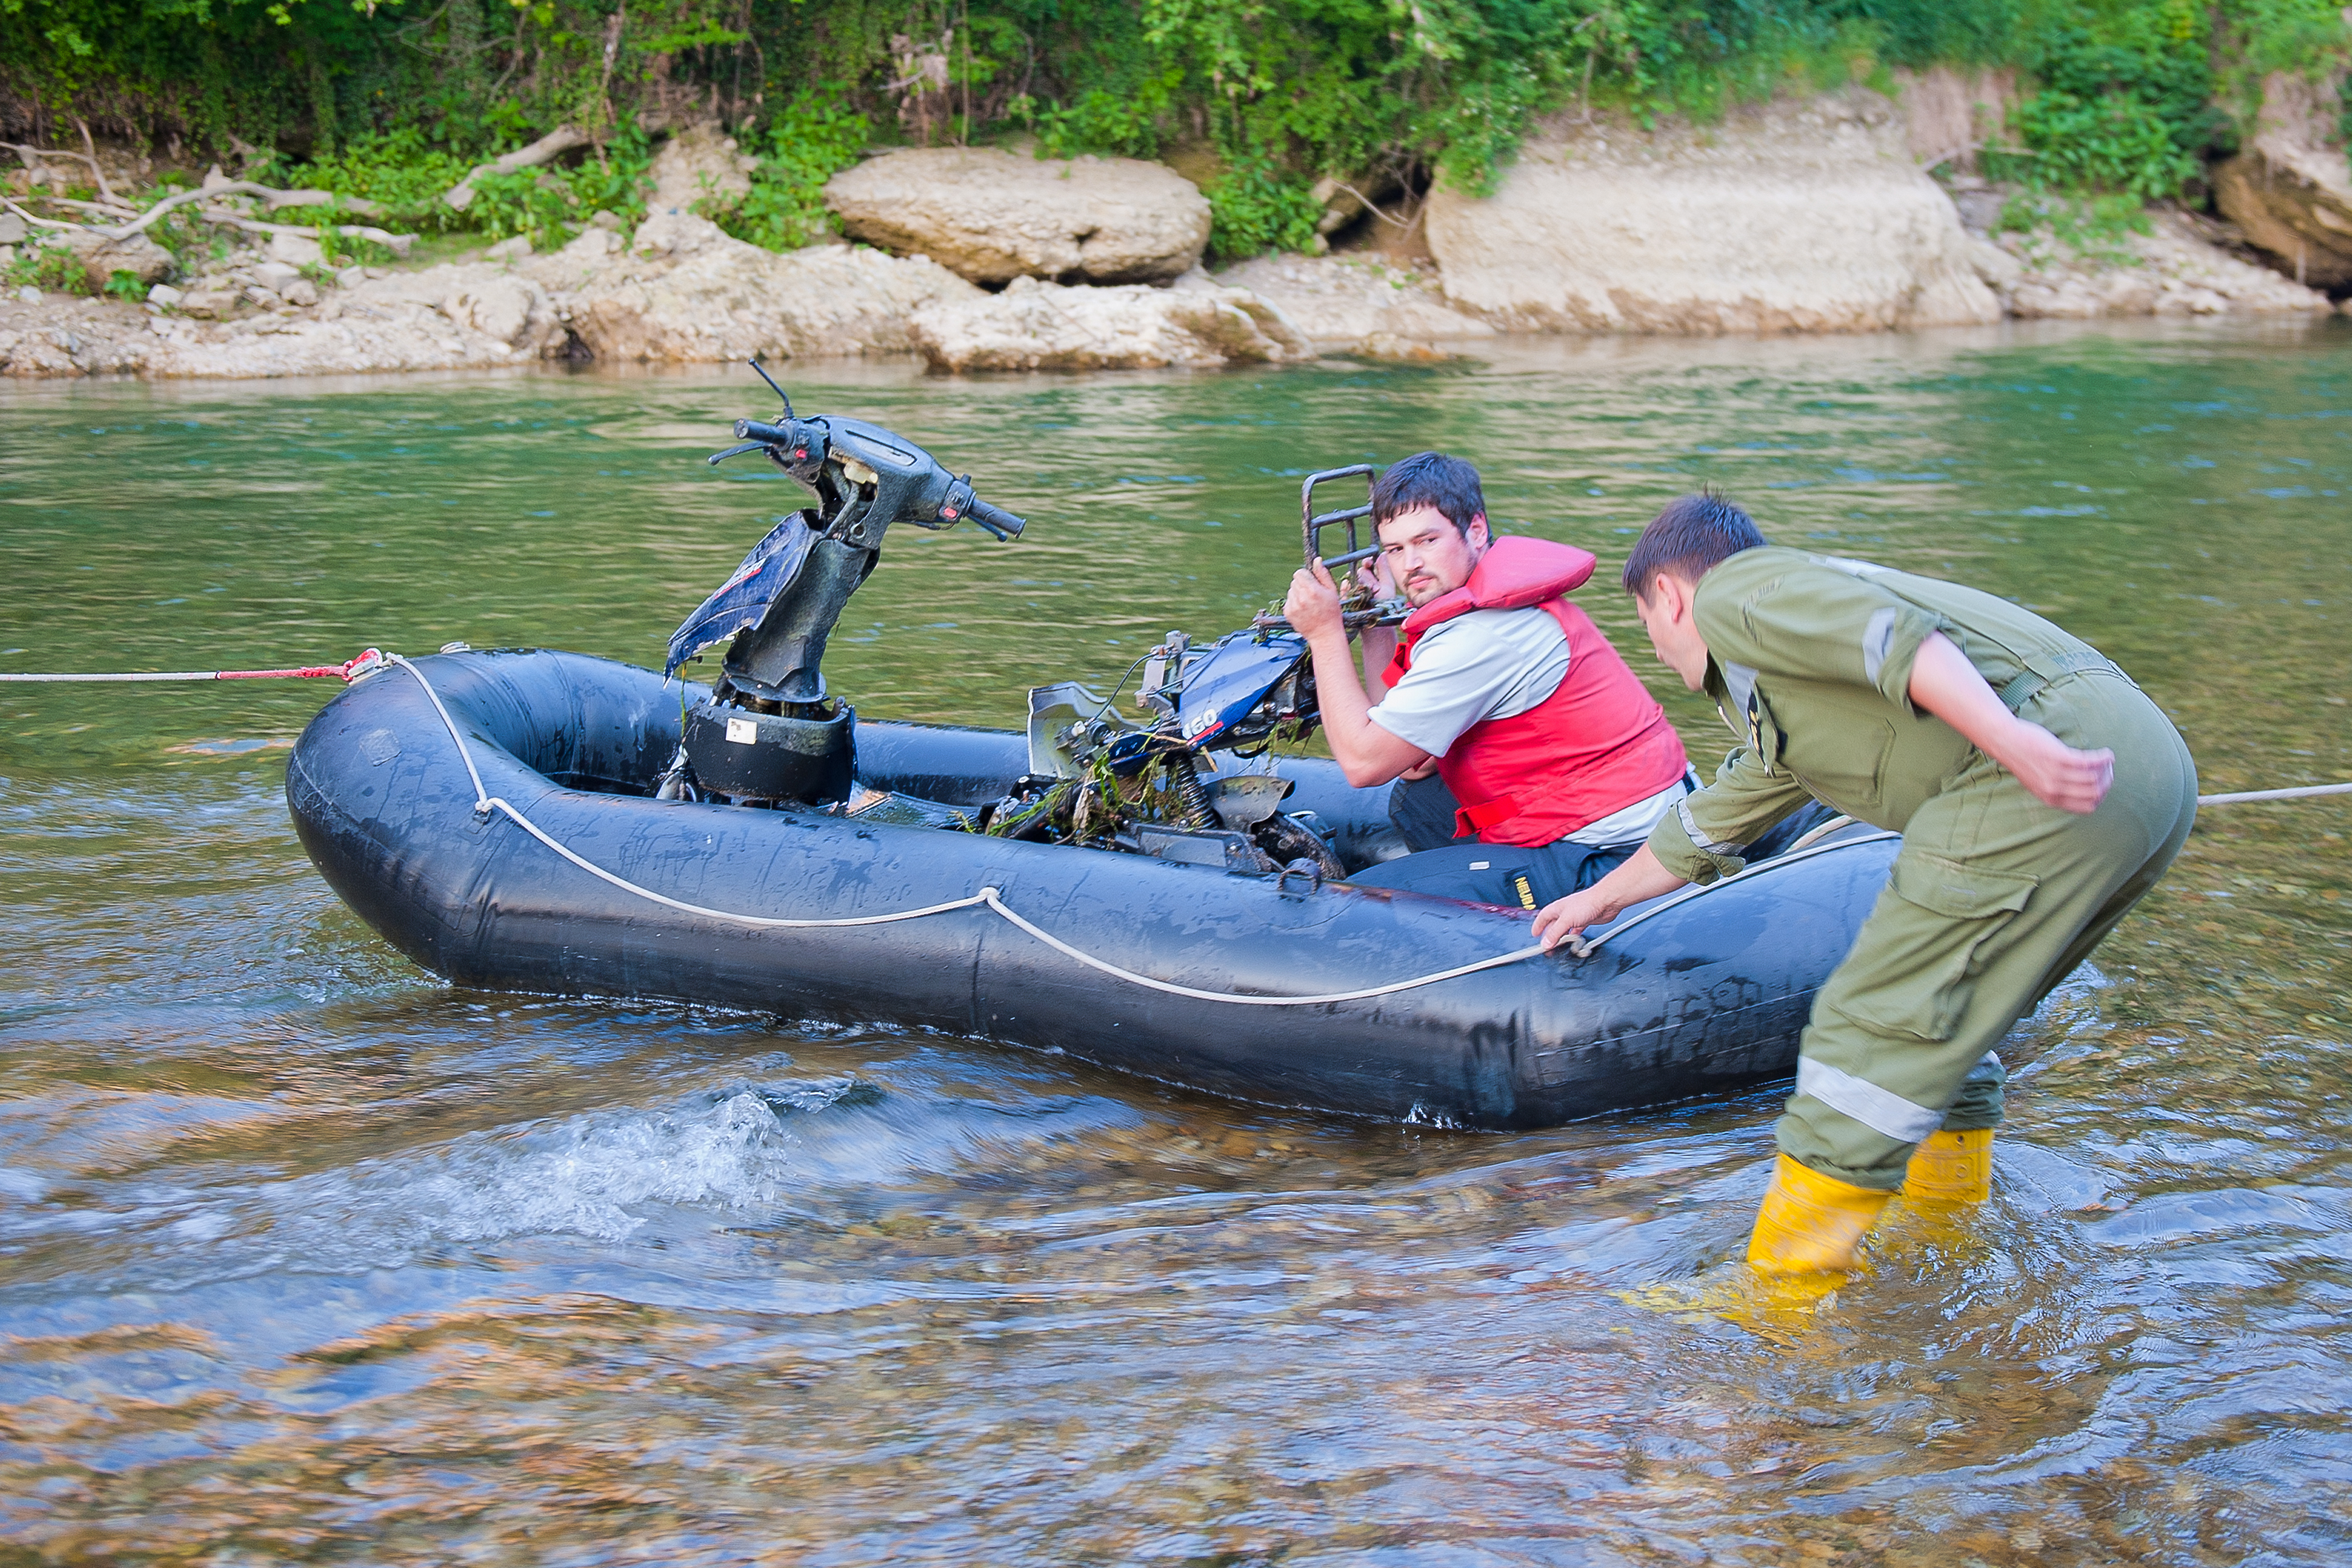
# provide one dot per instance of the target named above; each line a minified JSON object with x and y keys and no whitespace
{"x":1994,"y":898}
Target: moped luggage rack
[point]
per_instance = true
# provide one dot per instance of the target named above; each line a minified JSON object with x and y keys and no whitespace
{"x":1365,"y":613}
{"x":1357,"y":549}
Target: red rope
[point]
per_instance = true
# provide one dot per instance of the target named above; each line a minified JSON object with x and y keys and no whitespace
{"x":367,"y":663}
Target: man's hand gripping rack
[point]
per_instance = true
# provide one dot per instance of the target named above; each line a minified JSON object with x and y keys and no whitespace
{"x":1357,"y":609}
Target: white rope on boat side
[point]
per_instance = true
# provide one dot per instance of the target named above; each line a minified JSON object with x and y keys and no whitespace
{"x":1090,"y":961}
{"x":989,"y":897}
{"x":1583,"y":946}
{"x":992,"y":898}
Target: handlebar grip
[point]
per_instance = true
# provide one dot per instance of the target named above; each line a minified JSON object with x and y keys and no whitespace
{"x":792,"y":433}
{"x":995,"y":519}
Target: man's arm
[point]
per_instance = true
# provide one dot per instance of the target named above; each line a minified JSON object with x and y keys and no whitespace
{"x":1699,"y":839}
{"x":1367,"y":753}
{"x":1377,"y":646}
{"x":1945,"y":684}
{"x":1643,"y":876}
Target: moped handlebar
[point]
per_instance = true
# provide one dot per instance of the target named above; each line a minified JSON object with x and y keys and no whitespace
{"x":792,"y":433}
{"x":996,"y":519}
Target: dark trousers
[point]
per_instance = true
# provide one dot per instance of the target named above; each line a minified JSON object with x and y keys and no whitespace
{"x":1506,"y":875}
{"x":1422,"y":812}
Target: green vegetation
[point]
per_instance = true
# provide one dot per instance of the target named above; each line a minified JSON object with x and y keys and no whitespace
{"x":393,"y":101}
{"x":806,"y":145}
{"x":47,"y":266}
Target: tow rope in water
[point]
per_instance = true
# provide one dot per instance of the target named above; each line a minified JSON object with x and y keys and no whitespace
{"x":2301,"y":792}
{"x":367,"y":663}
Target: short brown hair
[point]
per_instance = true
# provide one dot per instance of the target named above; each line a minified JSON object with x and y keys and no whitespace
{"x":1693,"y":535}
{"x":1430,"y":479}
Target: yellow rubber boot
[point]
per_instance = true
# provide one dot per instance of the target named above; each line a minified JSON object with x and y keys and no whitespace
{"x":1810,"y":1223}
{"x":1951,"y":1167}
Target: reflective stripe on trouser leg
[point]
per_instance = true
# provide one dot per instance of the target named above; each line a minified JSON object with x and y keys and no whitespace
{"x":1992,"y":891}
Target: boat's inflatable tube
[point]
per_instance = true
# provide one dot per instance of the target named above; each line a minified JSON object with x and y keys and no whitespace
{"x":1700,"y":996}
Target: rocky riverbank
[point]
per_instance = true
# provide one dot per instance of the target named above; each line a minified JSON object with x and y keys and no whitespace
{"x":1811,"y":216}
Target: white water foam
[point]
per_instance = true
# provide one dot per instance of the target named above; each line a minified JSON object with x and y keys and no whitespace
{"x":764,"y":1151}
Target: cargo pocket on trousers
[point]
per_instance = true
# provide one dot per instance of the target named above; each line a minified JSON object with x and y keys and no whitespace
{"x":1920,"y":972}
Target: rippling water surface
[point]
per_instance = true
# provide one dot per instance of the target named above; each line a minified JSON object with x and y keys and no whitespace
{"x":306,"y":1257}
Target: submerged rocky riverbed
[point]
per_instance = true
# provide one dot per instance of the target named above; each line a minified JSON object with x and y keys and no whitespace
{"x":304,"y":1256}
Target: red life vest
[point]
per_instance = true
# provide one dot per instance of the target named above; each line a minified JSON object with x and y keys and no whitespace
{"x":1594,"y":746}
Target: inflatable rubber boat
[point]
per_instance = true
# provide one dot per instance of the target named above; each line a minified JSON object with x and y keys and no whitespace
{"x":1149,"y":898}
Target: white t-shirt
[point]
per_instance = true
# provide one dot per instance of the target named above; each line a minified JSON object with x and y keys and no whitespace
{"x":1497,"y":663}
{"x":1487,"y":664}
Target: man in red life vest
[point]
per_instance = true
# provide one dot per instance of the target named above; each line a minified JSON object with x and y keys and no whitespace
{"x":1560,"y":762}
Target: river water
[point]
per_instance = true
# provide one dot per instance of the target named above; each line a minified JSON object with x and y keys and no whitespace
{"x":307,"y":1257}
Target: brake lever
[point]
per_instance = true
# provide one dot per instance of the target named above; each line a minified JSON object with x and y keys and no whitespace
{"x":716,"y":458}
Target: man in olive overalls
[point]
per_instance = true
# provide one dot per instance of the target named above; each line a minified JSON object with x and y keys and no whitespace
{"x":2039,"y":792}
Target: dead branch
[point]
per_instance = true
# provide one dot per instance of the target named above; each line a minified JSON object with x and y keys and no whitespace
{"x":44,"y":223}
{"x":360,"y":204}
{"x":1373,"y":206}
{"x":397,"y":244}
{"x":272,"y":197}
{"x":29,"y":154}
{"x":548,"y":148}
{"x":90,"y":154}
{"x":116,"y":208}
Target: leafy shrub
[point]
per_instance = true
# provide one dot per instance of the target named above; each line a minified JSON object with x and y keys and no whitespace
{"x":123,"y":285}
{"x":2124,"y":103}
{"x":1132,"y":124}
{"x":810,"y":140}
{"x":407,"y":173}
{"x":49,"y":266}
{"x":2095,"y":228}
{"x":1254,"y":208}
{"x":530,"y":202}
{"x":403,"y":170}
{"x":619,"y":178}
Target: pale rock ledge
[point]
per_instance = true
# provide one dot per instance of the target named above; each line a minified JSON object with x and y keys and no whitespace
{"x":1034,"y":326}
{"x":1791,"y":217}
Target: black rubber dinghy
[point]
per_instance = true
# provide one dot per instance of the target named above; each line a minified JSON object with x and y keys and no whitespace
{"x":570,"y":878}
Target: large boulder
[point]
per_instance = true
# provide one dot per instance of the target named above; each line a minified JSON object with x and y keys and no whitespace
{"x":1034,"y":326}
{"x":686,"y":292}
{"x":479,"y":310}
{"x":993,"y":216}
{"x":699,"y":163}
{"x":1793,"y":217}
{"x":2290,"y":191}
{"x":101,"y":257}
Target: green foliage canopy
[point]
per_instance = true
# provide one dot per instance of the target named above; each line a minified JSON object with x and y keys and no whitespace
{"x":393,"y":99}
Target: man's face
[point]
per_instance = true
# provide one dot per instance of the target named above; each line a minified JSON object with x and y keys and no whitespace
{"x":1427,"y":555}
{"x":1667,"y":615}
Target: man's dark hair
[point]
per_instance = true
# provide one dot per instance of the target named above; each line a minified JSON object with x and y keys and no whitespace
{"x":1690,"y":538}
{"x":1430,"y":479}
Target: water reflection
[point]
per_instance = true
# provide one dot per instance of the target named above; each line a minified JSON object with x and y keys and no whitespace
{"x":304,"y":1256}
